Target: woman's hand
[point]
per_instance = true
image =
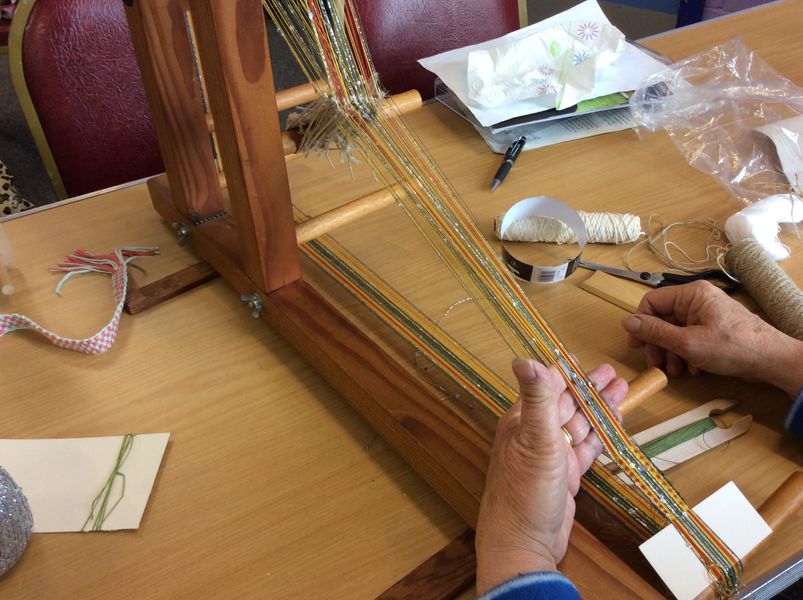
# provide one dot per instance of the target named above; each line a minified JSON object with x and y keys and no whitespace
{"x":527,"y":509}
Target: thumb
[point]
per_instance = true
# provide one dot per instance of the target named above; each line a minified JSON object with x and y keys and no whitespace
{"x":539,"y":391}
{"x":657,"y":332}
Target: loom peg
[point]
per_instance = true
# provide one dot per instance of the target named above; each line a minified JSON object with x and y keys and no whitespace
{"x":642,"y":386}
{"x":401,"y":103}
{"x":784,"y":501}
{"x":299,"y":95}
{"x":288,"y":98}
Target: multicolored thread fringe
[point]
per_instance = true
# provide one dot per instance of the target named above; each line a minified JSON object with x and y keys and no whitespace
{"x":81,"y":261}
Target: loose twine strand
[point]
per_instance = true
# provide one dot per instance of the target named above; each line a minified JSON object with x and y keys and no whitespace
{"x":658,"y":242}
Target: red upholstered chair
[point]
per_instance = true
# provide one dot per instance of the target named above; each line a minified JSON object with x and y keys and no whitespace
{"x":399,"y":32}
{"x":75,"y":73}
{"x":6,"y":12}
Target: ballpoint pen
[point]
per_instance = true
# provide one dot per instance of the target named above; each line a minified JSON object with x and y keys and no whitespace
{"x":510,"y":156}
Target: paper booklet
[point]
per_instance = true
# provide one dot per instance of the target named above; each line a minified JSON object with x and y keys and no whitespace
{"x":555,"y":130}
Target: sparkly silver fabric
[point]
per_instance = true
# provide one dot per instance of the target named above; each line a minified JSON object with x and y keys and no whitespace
{"x":16,"y":522}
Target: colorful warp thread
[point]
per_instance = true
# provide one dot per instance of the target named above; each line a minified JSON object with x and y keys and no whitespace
{"x":81,"y":261}
{"x":330,"y":44}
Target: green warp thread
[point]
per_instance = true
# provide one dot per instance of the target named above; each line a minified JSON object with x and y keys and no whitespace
{"x":100,"y":509}
{"x":677,"y":437}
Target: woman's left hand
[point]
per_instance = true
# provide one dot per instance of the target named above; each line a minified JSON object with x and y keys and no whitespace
{"x":527,"y":509}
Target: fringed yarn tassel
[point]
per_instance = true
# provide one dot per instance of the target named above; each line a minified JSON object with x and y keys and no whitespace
{"x":81,"y":261}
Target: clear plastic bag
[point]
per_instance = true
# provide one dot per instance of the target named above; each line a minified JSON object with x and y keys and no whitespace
{"x":710,"y":105}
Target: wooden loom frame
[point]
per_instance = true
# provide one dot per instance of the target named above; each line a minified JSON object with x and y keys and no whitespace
{"x":254,"y":246}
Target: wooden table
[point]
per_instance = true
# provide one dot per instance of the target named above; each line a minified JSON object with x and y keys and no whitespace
{"x":617,"y":172}
{"x":271,"y":486}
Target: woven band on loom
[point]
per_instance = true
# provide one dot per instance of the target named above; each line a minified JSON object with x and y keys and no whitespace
{"x":332,"y":46}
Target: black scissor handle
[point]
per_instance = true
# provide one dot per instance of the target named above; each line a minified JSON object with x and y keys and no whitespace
{"x":715,"y":276}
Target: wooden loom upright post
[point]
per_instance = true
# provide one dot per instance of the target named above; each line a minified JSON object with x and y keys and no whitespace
{"x":255,"y":248}
{"x":235,"y":66}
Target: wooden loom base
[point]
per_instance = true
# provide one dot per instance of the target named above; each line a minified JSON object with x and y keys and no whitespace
{"x":440,"y":446}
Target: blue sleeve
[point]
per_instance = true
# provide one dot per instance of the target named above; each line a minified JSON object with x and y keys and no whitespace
{"x":546,"y":585}
{"x":794,"y":418}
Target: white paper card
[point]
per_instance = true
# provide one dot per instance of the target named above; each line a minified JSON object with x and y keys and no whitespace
{"x":728,"y":513}
{"x":61,"y":477}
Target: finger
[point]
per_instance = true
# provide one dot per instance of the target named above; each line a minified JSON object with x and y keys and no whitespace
{"x":615,"y":392}
{"x":539,"y":387}
{"x":675,"y":366}
{"x":665,"y":302}
{"x":658,"y":332}
{"x":634,"y":342}
{"x":587,"y":451}
{"x":578,"y":427}
{"x":567,"y":406}
{"x":602,"y":375}
{"x":656,"y":356}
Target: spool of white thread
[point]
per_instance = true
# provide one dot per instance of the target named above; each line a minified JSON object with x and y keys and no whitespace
{"x":761,"y":221}
{"x":6,"y":287}
{"x":602,"y":228}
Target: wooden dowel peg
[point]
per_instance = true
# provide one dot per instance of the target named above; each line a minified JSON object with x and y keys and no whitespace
{"x":299,"y":95}
{"x":784,"y":501}
{"x":405,"y":102}
{"x":398,"y":104}
{"x":394,"y":105}
{"x":286,"y":99}
{"x":347,"y":213}
{"x":642,"y":386}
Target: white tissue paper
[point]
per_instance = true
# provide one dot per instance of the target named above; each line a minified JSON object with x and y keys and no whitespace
{"x":761,"y":221}
{"x":559,"y":63}
{"x":625,"y":73}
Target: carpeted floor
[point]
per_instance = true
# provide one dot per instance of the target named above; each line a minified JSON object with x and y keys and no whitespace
{"x":17,"y":149}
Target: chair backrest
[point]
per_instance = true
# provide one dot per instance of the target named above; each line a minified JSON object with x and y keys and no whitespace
{"x":75,"y":73}
{"x":6,"y":13}
{"x":399,"y":32}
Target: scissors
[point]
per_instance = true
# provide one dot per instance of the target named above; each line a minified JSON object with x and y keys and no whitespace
{"x":715,"y":276}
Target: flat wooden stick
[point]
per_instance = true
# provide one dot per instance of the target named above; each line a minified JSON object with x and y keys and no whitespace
{"x":168,"y":287}
{"x":621,"y":292}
